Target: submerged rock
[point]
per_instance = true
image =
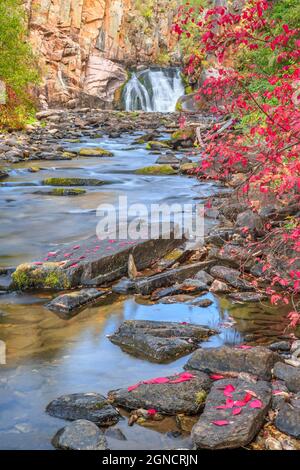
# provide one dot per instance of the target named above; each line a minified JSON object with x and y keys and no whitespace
{"x":80,"y":435}
{"x":288,"y":419}
{"x":156,"y":145}
{"x":69,"y":304}
{"x":220,"y":428}
{"x":168,"y":398}
{"x":289,"y":374}
{"x":247,"y":297}
{"x":159,"y":341}
{"x":62,"y":192}
{"x":3,"y":174}
{"x":257,"y":361}
{"x":91,"y":406}
{"x":168,"y":159}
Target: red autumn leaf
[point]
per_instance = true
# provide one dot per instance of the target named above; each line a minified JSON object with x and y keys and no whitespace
{"x":216,"y":377}
{"x":152,"y":412}
{"x":243,"y":346}
{"x":223,"y":422}
{"x":133,"y":387}
{"x":255,"y":404}
{"x":236,"y":411}
{"x":228,"y":390}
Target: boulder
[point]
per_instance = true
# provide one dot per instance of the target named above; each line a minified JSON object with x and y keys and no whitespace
{"x":257,"y":361}
{"x":204,"y":277}
{"x":203,"y":303}
{"x":289,"y":374}
{"x":190,"y":285}
{"x":231,"y":277}
{"x":219,"y":287}
{"x":168,"y":159}
{"x":288,"y":419}
{"x":80,"y":435}
{"x":168,"y":398}
{"x":220,"y":428}
{"x":69,"y":304}
{"x":280,"y":394}
{"x":159,"y":341}
{"x":90,"y":406}
{"x":249,"y":220}
{"x":157,"y":170}
{"x":94,"y":152}
{"x":233,"y":256}
{"x":3,"y":174}
{"x":248,"y":297}
{"x":72,"y":182}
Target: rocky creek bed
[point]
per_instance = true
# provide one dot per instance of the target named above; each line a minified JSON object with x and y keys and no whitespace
{"x":170,"y":338}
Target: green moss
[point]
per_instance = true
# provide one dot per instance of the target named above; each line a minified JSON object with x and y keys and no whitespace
{"x":183,"y":134}
{"x":95,"y":152}
{"x":72,"y":182}
{"x":200,"y":397}
{"x":186,"y":167}
{"x":67,"y":192}
{"x":21,"y":280}
{"x":68,"y":155}
{"x":155,"y":144}
{"x":53,"y":281}
{"x":73,"y":141}
{"x":156,"y":170}
{"x":47,"y":276}
{"x":178,"y":106}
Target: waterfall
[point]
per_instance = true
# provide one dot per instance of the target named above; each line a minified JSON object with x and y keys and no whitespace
{"x":153,"y":90}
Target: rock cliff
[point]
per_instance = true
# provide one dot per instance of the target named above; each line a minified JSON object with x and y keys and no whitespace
{"x":85,"y":47}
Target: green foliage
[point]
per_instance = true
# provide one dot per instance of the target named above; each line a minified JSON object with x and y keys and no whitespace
{"x":17,"y":65}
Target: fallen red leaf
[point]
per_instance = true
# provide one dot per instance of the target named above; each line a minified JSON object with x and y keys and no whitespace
{"x":228,"y":390}
{"x":152,"y":412}
{"x":216,"y":377}
{"x":255,"y":404}
{"x":223,"y":422}
{"x":236,"y":411}
{"x":243,"y":346}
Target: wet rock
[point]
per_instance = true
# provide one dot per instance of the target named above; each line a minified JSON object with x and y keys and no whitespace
{"x":80,"y":435}
{"x":186,"y":168}
{"x":203,"y":303}
{"x":159,"y":341}
{"x":91,"y":264}
{"x":231,"y":277}
{"x":176,"y":299}
{"x":190,"y":285}
{"x":231,"y":211}
{"x":289,"y":374}
{"x":233,"y":256}
{"x":248,"y":297}
{"x":145,"y":286}
{"x":250,"y":220}
{"x":167,"y":398}
{"x":72,"y":182}
{"x":156,"y":145}
{"x":257,"y":361}
{"x":280,"y":346}
{"x":115,"y":433}
{"x":157,"y":170}
{"x":62,"y":192}
{"x":219,"y":287}
{"x":204,"y":277}
{"x":94,"y":152}
{"x":91,"y":406}
{"x":3,"y":174}
{"x":241,"y":428}
{"x":69,"y":304}
{"x":168,"y":159}
{"x":288,"y":420}
{"x":124,"y":286}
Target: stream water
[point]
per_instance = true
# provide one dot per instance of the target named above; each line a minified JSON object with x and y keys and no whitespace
{"x":48,"y":356}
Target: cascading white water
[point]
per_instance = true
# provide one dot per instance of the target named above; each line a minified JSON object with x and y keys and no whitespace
{"x":153,"y":90}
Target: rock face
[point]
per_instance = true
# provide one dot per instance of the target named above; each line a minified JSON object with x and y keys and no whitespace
{"x":159,"y":341}
{"x":220,"y":428}
{"x":80,"y":435}
{"x":168,"y":398}
{"x":257,"y":361}
{"x":85,"y":45}
{"x":88,"y":406}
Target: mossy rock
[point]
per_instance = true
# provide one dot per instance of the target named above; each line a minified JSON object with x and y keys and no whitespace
{"x":73,"y":141}
{"x":34,"y":169}
{"x":96,"y":136}
{"x":72,"y":182}
{"x":47,"y":276}
{"x":184,"y":134}
{"x":186,"y":167}
{"x":156,"y":145}
{"x":66,"y":192}
{"x":3,"y":174}
{"x":157,"y":170}
{"x":94,"y":152}
{"x":68,"y":155}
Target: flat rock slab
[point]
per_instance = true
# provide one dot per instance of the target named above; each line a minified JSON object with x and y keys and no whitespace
{"x":92,"y":263}
{"x":90,"y":406}
{"x":146,"y":286}
{"x":288,"y":419}
{"x":68,"y":305}
{"x":80,"y":435}
{"x":167,"y":398}
{"x":232,"y":431}
{"x":159,"y":341}
{"x":247,"y":297}
{"x":289,"y":374}
{"x":231,"y":276}
{"x":258,"y":361}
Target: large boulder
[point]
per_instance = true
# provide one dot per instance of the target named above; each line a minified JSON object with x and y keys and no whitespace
{"x":232,"y":425}
{"x":80,"y":435}
{"x":159,"y":341}
{"x":90,"y":406}
{"x":186,"y":396}
{"x":258,"y":361}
